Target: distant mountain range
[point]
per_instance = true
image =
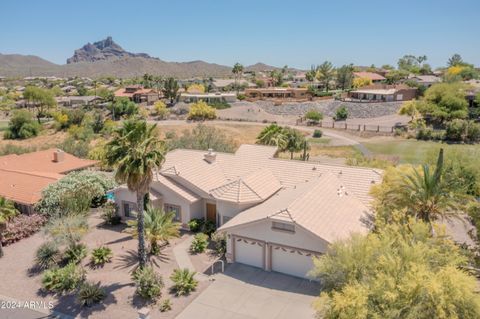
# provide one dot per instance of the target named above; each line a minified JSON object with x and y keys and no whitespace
{"x":107,"y":58}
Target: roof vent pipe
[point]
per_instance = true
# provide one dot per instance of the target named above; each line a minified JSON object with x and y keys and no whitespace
{"x":211,"y":156}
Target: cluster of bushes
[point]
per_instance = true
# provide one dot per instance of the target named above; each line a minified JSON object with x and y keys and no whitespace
{"x":319,"y":93}
{"x":22,"y":126}
{"x":77,"y":189}
{"x":314,"y":116}
{"x":201,"y":111}
{"x":22,"y":226}
{"x":455,"y":131}
{"x":206,"y":230}
{"x":122,"y":107}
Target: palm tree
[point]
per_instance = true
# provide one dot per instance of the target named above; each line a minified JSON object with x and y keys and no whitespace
{"x":237,"y":70}
{"x":7,"y":211}
{"x":273,"y":135}
{"x":136,"y":151}
{"x":159,"y":227}
{"x":325,"y":73}
{"x":426,"y":195}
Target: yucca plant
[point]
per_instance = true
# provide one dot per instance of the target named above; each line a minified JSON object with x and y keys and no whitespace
{"x":184,"y":281}
{"x":90,"y":294}
{"x":165,"y":305}
{"x":101,"y":255}
{"x":48,"y":255}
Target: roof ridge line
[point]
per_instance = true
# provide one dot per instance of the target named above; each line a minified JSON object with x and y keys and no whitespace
{"x":30,"y":173}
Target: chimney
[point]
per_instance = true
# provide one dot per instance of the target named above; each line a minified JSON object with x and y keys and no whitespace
{"x":58,"y":156}
{"x":211,"y":156}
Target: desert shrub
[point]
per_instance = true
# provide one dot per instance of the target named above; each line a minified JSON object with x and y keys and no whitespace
{"x":196,"y":224}
{"x":341,"y":114}
{"x":22,"y":126}
{"x":82,"y":133}
{"x":90,"y":294}
{"x":203,"y":137}
{"x":314,"y":116}
{"x":199,"y":243}
{"x":424,"y":133}
{"x":7,"y":210}
{"x":220,"y":241}
{"x":64,"y":279}
{"x":317,"y":133}
{"x":183,"y":281}
{"x":15,"y":149}
{"x":95,"y":183}
{"x":22,"y":226}
{"x":241,"y":97}
{"x":109,"y":214}
{"x":201,"y":111}
{"x":48,"y":255}
{"x":161,"y":110}
{"x":101,"y":255}
{"x":149,"y":283}
{"x":75,"y":253}
{"x":75,"y":147}
{"x":165,"y":305}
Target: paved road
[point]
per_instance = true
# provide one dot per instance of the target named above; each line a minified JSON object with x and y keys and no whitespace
{"x":245,"y":292}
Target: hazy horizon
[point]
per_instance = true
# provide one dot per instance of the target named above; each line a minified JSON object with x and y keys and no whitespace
{"x":272,"y":32}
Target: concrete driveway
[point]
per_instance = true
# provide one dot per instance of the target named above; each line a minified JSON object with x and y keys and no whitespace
{"x":246,"y":292}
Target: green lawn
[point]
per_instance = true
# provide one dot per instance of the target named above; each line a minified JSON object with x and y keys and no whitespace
{"x":3,"y":125}
{"x":413,"y":151}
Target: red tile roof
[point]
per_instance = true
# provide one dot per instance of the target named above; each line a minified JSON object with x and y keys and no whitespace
{"x":23,"y":177}
{"x":369,"y":75}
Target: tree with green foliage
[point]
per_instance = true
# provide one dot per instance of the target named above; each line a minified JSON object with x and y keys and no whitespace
{"x":201,"y":111}
{"x":123,"y":107}
{"x":40,"y":99}
{"x":160,"y":226}
{"x":341,"y":114}
{"x":136,"y":152}
{"x":414,"y":64}
{"x":325,"y":73}
{"x":345,"y":77}
{"x":311,"y":74}
{"x":22,"y":126}
{"x":273,"y":135}
{"x":444,"y":101}
{"x":7,"y":210}
{"x":295,"y":141}
{"x":455,"y":60}
{"x":422,"y":194}
{"x":170,"y":89}
{"x":398,"y":271}
{"x":237,"y":71}
{"x":314,"y":116}
{"x":277,"y":77}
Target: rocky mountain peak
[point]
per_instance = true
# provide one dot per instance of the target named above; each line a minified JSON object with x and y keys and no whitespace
{"x":105,"y":49}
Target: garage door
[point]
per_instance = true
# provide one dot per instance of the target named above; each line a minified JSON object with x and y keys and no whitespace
{"x":248,"y":252}
{"x":291,"y":262}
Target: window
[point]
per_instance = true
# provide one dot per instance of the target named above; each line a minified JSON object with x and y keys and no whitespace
{"x":283,"y":227}
{"x":173,"y":208}
{"x":129,"y":209}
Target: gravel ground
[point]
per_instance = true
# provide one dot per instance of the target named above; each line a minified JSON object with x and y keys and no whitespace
{"x":328,"y":108}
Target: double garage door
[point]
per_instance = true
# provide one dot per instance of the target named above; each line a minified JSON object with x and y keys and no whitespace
{"x":289,"y":261}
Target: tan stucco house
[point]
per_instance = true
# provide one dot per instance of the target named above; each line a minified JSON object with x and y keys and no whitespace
{"x":277,"y":214}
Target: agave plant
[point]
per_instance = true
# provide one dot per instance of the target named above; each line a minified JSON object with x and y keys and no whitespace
{"x":184,"y":281}
{"x":48,"y":255}
{"x":90,"y":293}
{"x":101,"y":255}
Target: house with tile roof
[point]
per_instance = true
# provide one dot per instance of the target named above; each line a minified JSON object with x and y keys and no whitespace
{"x":276,"y":213}
{"x":24,"y":177}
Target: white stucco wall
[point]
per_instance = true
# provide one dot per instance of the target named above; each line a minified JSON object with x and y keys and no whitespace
{"x":263,"y":231}
{"x":122,"y":194}
{"x":230,"y":209}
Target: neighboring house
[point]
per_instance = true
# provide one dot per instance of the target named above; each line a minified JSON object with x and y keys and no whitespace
{"x":277,"y":93}
{"x":425,"y":80}
{"x":229,"y":84}
{"x":24,"y":177}
{"x":208,"y":97}
{"x":383,"y":93}
{"x":138,"y":94}
{"x":299,"y":78}
{"x":78,"y":101}
{"x":276,"y":213}
{"x":375,"y":77}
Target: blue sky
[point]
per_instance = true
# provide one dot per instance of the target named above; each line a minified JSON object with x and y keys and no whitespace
{"x":294,"y":33}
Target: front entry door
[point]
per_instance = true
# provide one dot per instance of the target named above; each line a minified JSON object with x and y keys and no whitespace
{"x":212,"y":212}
